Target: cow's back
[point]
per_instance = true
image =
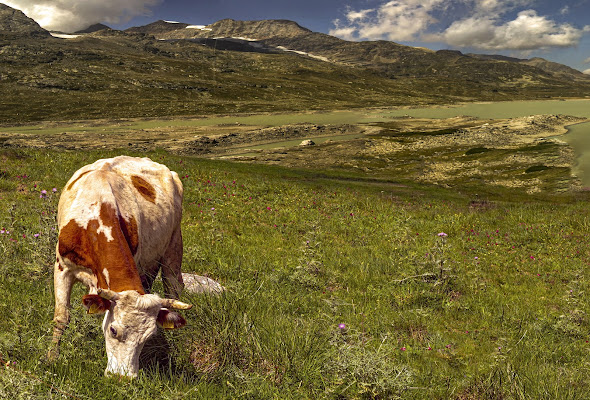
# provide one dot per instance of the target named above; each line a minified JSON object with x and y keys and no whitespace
{"x":123,"y":198}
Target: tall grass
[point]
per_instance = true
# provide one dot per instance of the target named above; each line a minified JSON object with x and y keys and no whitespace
{"x":337,"y":289}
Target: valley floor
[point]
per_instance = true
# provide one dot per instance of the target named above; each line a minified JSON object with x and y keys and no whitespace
{"x":461,"y":151}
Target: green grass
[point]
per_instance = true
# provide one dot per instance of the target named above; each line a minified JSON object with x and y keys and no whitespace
{"x":497,"y":309}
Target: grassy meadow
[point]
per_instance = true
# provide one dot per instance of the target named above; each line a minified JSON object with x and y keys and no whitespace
{"x":339,"y":287}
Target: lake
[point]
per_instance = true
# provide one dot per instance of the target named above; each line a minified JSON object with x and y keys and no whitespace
{"x":578,"y":136}
{"x":509,"y":109}
{"x":498,"y":110}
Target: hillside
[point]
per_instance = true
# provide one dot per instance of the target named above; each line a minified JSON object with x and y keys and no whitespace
{"x":389,"y":58}
{"x":93,"y":28}
{"x":15,"y":23}
{"x":157,"y":28}
{"x":112,"y":74}
{"x":554,"y":68}
{"x":171,"y":69}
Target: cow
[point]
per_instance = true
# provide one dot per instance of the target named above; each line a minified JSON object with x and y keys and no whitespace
{"x":119,"y":225}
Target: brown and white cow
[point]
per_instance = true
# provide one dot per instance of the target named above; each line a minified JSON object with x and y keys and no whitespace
{"x":119,"y":225}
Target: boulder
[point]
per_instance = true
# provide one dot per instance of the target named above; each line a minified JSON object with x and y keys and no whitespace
{"x":198,"y":284}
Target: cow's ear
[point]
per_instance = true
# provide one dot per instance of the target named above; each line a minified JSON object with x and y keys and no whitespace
{"x":95,"y":304}
{"x":170,"y":320}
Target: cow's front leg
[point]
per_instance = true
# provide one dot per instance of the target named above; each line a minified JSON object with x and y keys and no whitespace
{"x":63,"y":280}
{"x":171,"y":264}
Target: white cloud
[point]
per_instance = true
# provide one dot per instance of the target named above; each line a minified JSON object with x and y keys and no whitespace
{"x":493,"y":6}
{"x":587,"y":61}
{"x":565,"y":10}
{"x":346,"y":33}
{"x":527,"y":31}
{"x":358,"y":15}
{"x":394,"y":20}
{"x":482,"y":24}
{"x":587,"y":71}
{"x":72,"y":15}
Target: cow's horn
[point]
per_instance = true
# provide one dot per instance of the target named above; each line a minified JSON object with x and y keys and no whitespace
{"x":108,"y":294}
{"x":171,"y":303}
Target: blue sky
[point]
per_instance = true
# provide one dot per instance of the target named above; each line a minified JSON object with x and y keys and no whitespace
{"x":555,"y":30}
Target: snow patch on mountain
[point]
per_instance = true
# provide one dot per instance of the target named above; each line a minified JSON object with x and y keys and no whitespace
{"x":303,"y":53}
{"x":64,"y":35}
{"x":200,"y":27}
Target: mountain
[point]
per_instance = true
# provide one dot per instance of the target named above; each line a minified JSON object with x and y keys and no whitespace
{"x":93,"y":28}
{"x":387,"y":58}
{"x":15,"y":23}
{"x":157,"y":28}
{"x":229,"y":28}
{"x":554,"y":68}
{"x":169,"y":69}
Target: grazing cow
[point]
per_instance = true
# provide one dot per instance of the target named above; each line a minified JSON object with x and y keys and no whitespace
{"x":119,"y":225}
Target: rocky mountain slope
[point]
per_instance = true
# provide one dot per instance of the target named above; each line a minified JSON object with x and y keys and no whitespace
{"x":560,"y":70}
{"x":93,"y":28}
{"x":15,"y":23}
{"x":158,"y":28}
{"x":389,"y":58}
{"x":256,"y":30}
{"x":171,"y":69}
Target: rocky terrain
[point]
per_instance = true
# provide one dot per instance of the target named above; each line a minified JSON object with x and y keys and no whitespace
{"x":389,"y":58}
{"x":457,"y":152}
{"x":552,"y":67}
{"x":14,"y":23}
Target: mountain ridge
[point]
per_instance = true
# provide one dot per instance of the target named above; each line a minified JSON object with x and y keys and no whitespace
{"x":157,"y":27}
{"x":380,"y":54}
{"x":158,"y":71}
{"x":538,"y":62}
{"x":93,"y":28}
{"x":14,"y":22}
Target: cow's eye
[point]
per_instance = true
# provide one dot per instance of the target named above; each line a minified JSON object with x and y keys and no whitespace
{"x":113,"y":331}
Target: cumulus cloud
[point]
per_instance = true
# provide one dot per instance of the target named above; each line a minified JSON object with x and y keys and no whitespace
{"x":528,"y":31}
{"x":483,"y":24}
{"x":587,"y":71}
{"x":73,"y":15}
{"x":587,"y":61}
{"x":394,"y":20}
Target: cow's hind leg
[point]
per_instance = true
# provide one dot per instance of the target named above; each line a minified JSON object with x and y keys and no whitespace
{"x":171,"y":263}
{"x":63,"y":280}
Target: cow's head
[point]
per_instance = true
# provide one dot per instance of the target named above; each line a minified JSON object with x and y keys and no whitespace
{"x":130,"y":319}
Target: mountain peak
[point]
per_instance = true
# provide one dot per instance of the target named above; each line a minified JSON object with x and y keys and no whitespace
{"x":157,"y":27}
{"x":15,"y":22}
{"x":262,"y":29}
{"x":93,"y":28}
